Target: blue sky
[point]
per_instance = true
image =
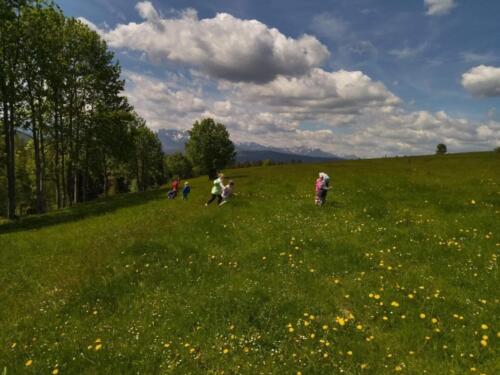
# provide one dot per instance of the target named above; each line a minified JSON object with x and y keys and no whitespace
{"x":417,"y":51}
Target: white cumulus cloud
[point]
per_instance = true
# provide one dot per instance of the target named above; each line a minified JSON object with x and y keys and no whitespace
{"x":482,"y":80}
{"x":224,"y":47}
{"x":439,"y":7}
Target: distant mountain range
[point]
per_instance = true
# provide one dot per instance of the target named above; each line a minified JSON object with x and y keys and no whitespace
{"x":174,"y":141}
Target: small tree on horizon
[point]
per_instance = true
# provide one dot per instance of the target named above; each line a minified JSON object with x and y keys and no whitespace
{"x":209,"y":147}
{"x":441,"y":149}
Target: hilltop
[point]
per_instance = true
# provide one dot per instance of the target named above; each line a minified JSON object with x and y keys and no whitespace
{"x":397,"y":273}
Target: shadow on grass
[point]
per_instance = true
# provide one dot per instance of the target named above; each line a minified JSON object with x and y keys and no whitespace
{"x":333,"y":204}
{"x":81,"y":211}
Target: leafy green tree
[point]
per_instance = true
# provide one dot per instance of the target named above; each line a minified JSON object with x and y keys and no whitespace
{"x":209,"y":147}
{"x":441,"y":149}
{"x":147,"y":156}
{"x":179,"y":165}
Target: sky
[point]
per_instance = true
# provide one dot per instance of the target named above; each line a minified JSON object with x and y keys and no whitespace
{"x":363,"y":77}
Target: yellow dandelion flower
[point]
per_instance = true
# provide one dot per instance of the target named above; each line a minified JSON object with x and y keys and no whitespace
{"x":299,"y":373}
{"x":422,"y":316}
{"x":411,"y":296}
{"x":359,"y":327}
{"x":484,"y":343}
{"x":13,"y":345}
{"x":376,"y":296}
{"x":325,"y":355}
{"x":290,"y":329}
{"x":364,"y":366}
{"x":166,"y":345}
{"x":340,"y":321}
{"x":312,"y":335}
{"x":29,"y":362}
{"x":398,"y":368}
{"x":98,"y":347}
{"x":485,"y":337}
{"x":306,"y":323}
{"x":394,"y":304}
{"x":434,"y":320}
{"x":246,"y":349}
{"x":325,"y":327}
{"x":473,"y":201}
{"x":349,"y":353}
{"x":225,"y":351}
{"x":191,"y":350}
{"x":385,"y":318}
{"x":484,"y":326}
{"x":55,"y":371}
{"x":97,"y":341}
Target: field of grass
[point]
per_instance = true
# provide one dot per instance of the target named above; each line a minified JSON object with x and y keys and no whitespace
{"x":397,"y":273}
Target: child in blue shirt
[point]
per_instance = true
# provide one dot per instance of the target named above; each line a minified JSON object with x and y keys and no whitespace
{"x":186,"y":190}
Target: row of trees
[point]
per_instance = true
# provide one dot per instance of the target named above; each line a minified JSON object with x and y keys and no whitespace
{"x":64,"y":121}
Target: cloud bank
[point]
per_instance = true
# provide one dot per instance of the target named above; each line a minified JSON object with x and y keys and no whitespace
{"x":224,"y":47}
{"x":273,"y":89}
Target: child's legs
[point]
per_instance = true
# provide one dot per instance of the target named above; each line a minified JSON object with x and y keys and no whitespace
{"x":219,"y":199}
{"x":212,"y":199}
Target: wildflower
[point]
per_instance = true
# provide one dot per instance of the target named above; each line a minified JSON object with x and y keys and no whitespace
{"x":290,"y":329}
{"x":312,"y":335}
{"x":411,"y":296}
{"x":325,"y":355}
{"x":473,"y":202}
{"x":13,"y":345}
{"x":246,"y":349}
{"x":363,"y":366}
{"x":484,"y":343}
{"x":434,"y":320}
{"x":359,"y":327}
{"x":55,"y":371}
{"x":225,"y":351}
{"x":422,"y":316}
{"x":394,"y":304}
{"x":29,"y":362}
{"x":325,"y":327}
{"x":98,"y":347}
{"x":349,"y":353}
{"x":376,"y":296}
{"x":340,"y":321}
{"x":398,"y":368}
{"x":484,"y":326}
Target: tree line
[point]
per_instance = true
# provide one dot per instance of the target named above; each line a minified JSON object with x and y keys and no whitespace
{"x":67,"y":133}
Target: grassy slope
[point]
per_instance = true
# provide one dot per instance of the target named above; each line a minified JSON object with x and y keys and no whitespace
{"x":167,"y":286}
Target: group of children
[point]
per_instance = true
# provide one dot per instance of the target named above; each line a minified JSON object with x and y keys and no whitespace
{"x":223,"y":192}
{"x":219,"y":191}
{"x":175,"y":187}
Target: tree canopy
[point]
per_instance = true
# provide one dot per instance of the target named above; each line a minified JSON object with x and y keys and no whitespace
{"x":209,"y":147}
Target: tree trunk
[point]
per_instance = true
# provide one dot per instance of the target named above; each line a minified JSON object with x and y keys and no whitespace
{"x":10,"y":154}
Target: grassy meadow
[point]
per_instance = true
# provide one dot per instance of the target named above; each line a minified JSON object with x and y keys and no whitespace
{"x":397,"y":273}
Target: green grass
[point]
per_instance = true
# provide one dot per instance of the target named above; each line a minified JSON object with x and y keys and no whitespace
{"x":167,"y":287}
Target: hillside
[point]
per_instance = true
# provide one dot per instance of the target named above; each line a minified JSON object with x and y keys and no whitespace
{"x":397,"y":273}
